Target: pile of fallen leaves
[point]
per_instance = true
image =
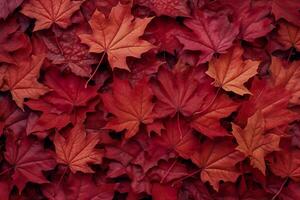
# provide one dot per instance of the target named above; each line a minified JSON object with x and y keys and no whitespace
{"x":149,"y":99}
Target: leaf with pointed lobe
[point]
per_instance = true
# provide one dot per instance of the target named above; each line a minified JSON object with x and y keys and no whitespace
{"x":49,"y":12}
{"x":230,"y":71}
{"x":28,"y":158}
{"x":211,"y":34}
{"x":286,"y":163}
{"x":271,"y":101}
{"x":217,"y":161}
{"x":207,"y":120}
{"x":287,"y":75}
{"x":254,"y":143}
{"x":131,"y":105}
{"x":179,"y":137}
{"x":77,"y":150}
{"x":176,"y":92}
{"x":21,"y":80}
{"x":117,"y":36}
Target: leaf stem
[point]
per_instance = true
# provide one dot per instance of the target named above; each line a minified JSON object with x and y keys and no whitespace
{"x":281,"y":187}
{"x":168,"y":171}
{"x":189,"y":175}
{"x":93,"y":74}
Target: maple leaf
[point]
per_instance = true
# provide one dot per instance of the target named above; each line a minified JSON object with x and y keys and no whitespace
{"x":117,"y":36}
{"x":289,"y":11}
{"x":231,"y":72}
{"x":68,"y":95}
{"x":179,"y":137}
{"x":65,"y":48}
{"x":8,"y":6}
{"x":207,"y":119}
{"x":171,"y":8}
{"x":21,"y":80}
{"x":217,"y":162}
{"x":286,"y":163}
{"x":254,"y":22}
{"x":288,"y":36}
{"x":176,"y":92}
{"x":288,"y":76}
{"x":271,"y":101}
{"x":254,"y":143}
{"x":28,"y":158}
{"x":131,"y":106}
{"x":49,"y":12}
{"x":77,"y":150}
{"x":211,"y":34}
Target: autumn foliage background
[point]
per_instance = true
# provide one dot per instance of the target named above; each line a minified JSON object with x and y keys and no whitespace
{"x":149,"y":99}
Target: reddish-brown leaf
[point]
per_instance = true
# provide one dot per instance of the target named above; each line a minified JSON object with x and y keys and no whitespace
{"x":254,"y":143}
{"x":21,"y":79}
{"x":217,"y":161}
{"x":28,"y":159}
{"x":131,"y":105}
{"x":211,"y":34}
{"x":231,"y":72}
{"x":77,"y":150}
{"x":49,"y":12}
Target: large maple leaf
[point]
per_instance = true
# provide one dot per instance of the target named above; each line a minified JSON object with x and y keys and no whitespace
{"x":21,"y":79}
{"x":254,"y":143}
{"x":217,"y":161}
{"x":28,"y":158}
{"x":179,"y":137}
{"x":68,"y":95}
{"x":176,"y":92}
{"x":288,"y":76}
{"x":131,"y":106}
{"x":117,"y":36}
{"x":211,"y":34}
{"x":231,"y":72}
{"x":286,"y":163}
{"x":77,"y":150}
{"x":49,"y":12}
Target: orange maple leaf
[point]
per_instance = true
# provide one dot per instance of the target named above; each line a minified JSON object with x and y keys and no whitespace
{"x":130,"y":105}
{"x":217,"y":161}
{"x":77,"y":150}
{"x":253,"y":142}
{"x":21,"y":80}
{"x":288,"y":76}
{"x":117,"y":36}
{"x":48,"y":12}
{"x":231,"y":72}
